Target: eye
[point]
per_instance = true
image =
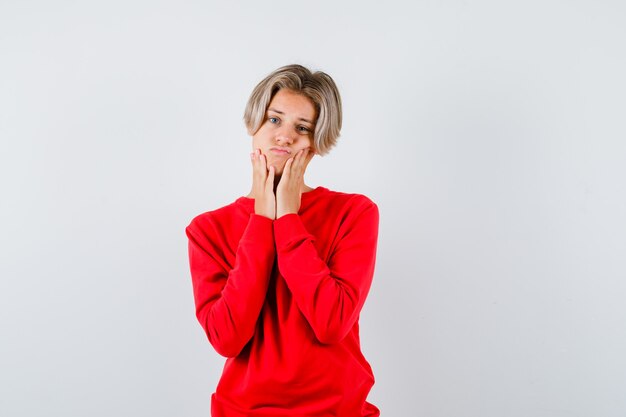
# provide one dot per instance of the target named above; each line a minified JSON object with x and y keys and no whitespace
{"x":303,"y":129}
{"x":273,"y":119}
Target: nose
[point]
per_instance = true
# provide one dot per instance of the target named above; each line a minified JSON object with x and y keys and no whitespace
{"x":283,"y":139}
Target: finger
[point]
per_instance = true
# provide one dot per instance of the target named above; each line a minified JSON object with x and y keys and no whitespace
{"x":300,"y":162}
{"x":306,"y":155}
{"x":260,"y":171}
{"x":285,"y":176}
{"x":255,"y":157}
{"x":309,"y":156}
{"x":255,"y":163}
{"x":301,"y":153}
{"x":296,"y":158}
{"x":269,"y":184}
{"x":287,"y":168}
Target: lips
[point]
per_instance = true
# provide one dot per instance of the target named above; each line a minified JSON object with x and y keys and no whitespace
{"x":280,"y":151}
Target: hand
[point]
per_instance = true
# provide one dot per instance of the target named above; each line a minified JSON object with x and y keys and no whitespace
{"x":263,"y":186}
{"x":289,"y":190}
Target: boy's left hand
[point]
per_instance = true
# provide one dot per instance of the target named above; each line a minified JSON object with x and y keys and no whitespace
{"x":289,"y":189}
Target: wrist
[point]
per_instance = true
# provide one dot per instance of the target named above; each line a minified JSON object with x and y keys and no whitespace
{"x":282,"y":213}
{"x":278,"y":216}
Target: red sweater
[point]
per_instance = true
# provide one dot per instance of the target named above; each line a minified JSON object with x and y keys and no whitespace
{"x":281,"y":299}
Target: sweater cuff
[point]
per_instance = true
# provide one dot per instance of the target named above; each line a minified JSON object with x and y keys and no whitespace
{"x":259,"y":229}
{"x":288,"y":229}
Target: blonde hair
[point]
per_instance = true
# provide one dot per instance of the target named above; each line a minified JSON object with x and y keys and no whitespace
{"x":318,"y":86}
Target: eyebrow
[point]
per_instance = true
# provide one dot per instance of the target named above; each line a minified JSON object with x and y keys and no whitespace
{"x":280,"y":112}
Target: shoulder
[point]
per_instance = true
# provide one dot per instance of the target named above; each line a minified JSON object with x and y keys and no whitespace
{"x":353,"y":217}
{"x":350,"y":205}
{"x":210,"y":220}
{"x":354,"y":200}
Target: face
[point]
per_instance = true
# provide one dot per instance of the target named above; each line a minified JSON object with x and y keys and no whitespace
{"x":288,"y":127}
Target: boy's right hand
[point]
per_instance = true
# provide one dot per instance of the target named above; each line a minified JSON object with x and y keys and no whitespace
{"x":263,"y":186}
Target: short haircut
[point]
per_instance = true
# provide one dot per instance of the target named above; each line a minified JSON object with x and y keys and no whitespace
{"x":318,"y":86}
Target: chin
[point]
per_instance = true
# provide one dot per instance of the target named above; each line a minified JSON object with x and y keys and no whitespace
{"x":278,"y":168}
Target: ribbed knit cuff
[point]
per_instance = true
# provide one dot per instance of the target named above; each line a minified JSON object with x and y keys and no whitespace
{"x":289,"y":229}
{"x":259,"y":229}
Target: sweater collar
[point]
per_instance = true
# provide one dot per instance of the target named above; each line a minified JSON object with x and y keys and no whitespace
{"x":307,"y":197}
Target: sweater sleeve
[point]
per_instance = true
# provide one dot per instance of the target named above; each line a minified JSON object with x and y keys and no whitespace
{"x":229,"y":301}
{"x":330,"y":296}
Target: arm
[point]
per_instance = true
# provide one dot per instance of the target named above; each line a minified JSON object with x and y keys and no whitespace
{"x":228,"y":302}
{"x":329,"y":296}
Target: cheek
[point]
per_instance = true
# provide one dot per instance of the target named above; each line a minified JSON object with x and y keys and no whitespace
{"x":259,"y":138}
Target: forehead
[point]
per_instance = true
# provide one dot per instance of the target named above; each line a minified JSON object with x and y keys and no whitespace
{"x":293,"y":104}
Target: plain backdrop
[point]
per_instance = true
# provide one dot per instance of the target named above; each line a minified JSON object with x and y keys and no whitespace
{"x":490,"y":133}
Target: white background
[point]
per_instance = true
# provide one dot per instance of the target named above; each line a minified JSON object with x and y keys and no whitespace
{"x":490,"y":133}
